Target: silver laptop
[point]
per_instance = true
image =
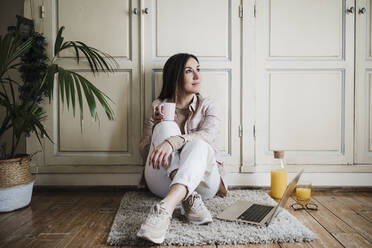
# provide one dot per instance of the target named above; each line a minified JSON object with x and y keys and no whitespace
{"x":258,"y":214}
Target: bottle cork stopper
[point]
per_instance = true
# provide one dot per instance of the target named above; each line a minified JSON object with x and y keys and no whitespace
{"x":278,"y":154}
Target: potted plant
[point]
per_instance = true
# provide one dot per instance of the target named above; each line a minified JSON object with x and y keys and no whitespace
{"x":22,"y":102}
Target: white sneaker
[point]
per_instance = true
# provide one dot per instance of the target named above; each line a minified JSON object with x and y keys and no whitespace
{"x":195,"y":210}
{"x":156,"y":224}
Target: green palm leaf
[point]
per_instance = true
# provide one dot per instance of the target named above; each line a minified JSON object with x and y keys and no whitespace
{"x":49,"y":79}
{"x":11,"y":48}
{"x":59,"y":40}
{"x":71,"y":83}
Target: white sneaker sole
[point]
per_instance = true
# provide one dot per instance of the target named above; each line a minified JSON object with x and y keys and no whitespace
{"x":201,"y":222}
{"x":143,"y":235}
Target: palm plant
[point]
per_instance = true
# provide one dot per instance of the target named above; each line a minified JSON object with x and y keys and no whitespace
{"x":27,"y":115}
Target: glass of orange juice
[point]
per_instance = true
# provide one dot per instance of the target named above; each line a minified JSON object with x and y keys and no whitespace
{"x":303,"y":192}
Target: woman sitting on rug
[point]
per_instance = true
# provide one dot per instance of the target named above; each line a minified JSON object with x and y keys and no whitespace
{"x":181,"y":161}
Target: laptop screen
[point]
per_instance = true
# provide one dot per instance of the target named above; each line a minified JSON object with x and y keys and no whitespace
{"x":291,"y":186}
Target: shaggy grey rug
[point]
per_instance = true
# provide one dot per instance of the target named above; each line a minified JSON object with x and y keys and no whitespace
{"x":135,"y":205}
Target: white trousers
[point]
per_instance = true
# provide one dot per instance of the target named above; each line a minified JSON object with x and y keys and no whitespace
{"x":195,"y":162}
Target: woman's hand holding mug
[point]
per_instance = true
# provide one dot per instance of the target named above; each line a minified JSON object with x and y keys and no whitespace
{"x":158,"y":115}
{"x":164,"y":111}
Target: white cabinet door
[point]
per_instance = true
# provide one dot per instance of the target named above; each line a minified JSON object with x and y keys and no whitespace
{"x":363,"y":83}
{"x":112,"y":28}
{"x":305,"y":81}
{"x":209,"y":29}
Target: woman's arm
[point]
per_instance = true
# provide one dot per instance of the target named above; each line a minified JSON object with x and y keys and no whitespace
{"x":145,"y":141}
{"x":151,"y":120}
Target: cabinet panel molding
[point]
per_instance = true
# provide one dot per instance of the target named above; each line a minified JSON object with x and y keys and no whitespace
{"x":113,"y":29}
{"x":179,"y":28}
{"x":368,"y":26}
{"x":295,"y":33}
{"x":305,"y":111}
{"x":109,"y":24}
{"x":369,"y":111}
{"x":102,"y":135}
{"x":363,"y":84}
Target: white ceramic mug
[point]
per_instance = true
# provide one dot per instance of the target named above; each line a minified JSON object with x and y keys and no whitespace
{"x":169,"y":110}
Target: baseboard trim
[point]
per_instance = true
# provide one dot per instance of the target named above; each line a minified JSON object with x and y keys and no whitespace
{"x":333,"y":189}
{"x":135,"y":169}
{"x":126,"y":188}
{"x":260,"y":179}
{"x":85,"y":188}
{"x":311,"y":168}
{"x":320,"y":179}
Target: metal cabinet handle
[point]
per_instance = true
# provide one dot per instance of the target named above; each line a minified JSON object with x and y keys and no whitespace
{"x":350,"y":10}
{"x":146,"y":11}
{"x":362,"y":11}
{"x":135,"y":11}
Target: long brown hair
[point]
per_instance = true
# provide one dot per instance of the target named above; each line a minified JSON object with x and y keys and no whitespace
{"x":173,"y":76}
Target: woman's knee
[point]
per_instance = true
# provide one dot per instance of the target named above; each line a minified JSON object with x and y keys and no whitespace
{"x":163,"y":130}
{"x":169,"y":127}
{"x":198,"y":144}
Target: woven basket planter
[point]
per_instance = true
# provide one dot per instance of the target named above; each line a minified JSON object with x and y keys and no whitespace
{"x":16,"y":183}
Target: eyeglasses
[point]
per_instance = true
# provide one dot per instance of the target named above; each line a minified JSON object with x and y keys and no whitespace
{"x":308,"y":206}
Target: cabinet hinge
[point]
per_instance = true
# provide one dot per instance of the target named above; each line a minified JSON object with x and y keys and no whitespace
{"x":254,"y":10}
{"x":42,"y":12}
{"x":254,"y":131}
{"x":240,"y":131}
{"x":241,"y":11}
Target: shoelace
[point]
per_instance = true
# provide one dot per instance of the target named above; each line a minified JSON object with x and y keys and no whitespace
{"x":192,"y":202}
{"x":156,"y":214}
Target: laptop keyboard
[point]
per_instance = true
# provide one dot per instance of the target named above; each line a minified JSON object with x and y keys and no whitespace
{"x":255,"y":213}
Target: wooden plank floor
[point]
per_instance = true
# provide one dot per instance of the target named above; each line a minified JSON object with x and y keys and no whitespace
{"x":83,"y":219}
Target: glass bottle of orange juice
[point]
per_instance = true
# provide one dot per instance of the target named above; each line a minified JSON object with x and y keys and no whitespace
{"x":278,"y":175}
